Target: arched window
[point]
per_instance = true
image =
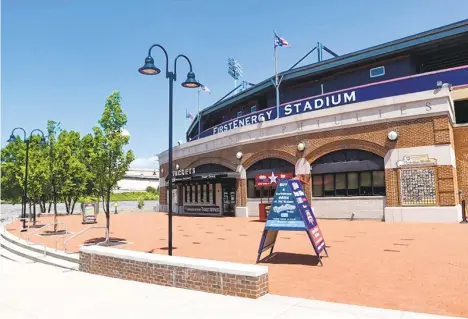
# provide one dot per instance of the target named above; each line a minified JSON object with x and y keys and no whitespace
{"x":348,"y":173}
{"x":266,"y":166}
{"x":211,"y":168}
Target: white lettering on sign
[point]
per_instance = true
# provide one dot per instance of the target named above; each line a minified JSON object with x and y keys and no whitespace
{"x":182,"y":172}
{"x":320,"y":102}
{"x":279,"y":209}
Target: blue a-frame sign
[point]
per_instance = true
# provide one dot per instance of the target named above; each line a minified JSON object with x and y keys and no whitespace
{"x":290,"y":210}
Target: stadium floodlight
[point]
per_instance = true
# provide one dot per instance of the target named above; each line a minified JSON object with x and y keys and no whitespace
{"x":234,"y":70}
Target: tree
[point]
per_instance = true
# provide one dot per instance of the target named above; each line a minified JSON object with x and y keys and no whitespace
{"x":53,"y":158}
{"x":13,"y":157}
{"x":109,"y":160}
{"x":71,"y":171}
{"x":38,"y":173}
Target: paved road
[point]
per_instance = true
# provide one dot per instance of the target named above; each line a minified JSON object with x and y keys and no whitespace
{"x":123,"y":207}
{"x":30,"y":290}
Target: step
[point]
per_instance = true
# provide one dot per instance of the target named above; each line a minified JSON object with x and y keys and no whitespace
{"x":35,"y":255}
{"x":73,"y":257}
{"x":6,"y":254}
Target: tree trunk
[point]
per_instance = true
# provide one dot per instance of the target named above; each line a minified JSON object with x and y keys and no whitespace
{"x":55,"y":210}
{"x":34,"y":216}
{"x":107,"y":211}
{"x":66,"y":205}
{"x":50,"y":207}
{"x":73,"y":205}
{"x":42,"y":205}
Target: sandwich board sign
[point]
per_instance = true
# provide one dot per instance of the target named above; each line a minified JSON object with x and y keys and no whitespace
{"x":291,"y":211}
{"x":89,"y":213}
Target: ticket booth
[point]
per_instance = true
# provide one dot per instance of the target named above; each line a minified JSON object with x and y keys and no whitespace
{"x":207,"y":190}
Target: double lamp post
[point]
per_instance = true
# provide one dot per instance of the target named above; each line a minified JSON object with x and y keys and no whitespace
{"x":150,"y":69}
{"x":27,"y":141}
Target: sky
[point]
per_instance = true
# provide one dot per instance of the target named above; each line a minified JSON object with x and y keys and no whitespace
{"x":62,"y":58}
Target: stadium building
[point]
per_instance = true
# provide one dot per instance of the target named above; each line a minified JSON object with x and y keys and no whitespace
{"x":380,"y":133}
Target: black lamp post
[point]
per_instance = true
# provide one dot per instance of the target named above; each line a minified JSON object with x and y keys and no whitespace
{"x":25,"y":188}
{"x":150,"y":69}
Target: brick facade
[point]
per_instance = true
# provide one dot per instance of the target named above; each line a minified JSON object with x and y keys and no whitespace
{"x":418,"y":132}
{"x":373,"y":138}
{"x":460,"y":134}
{"x":174,"y":276}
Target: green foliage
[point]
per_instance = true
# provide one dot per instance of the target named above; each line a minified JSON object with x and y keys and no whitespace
{"x":141,"y":202}
{"x":69,"y":167}
{"x":13,"y":157}
{"x":133,"y":196}
{"x":109,"y":161}
{"x":151,"y":189}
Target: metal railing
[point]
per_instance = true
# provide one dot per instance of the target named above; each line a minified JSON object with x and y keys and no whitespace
{"x":44,"y":251}
{"x":79,"y":233}
{"x":45,"y":226}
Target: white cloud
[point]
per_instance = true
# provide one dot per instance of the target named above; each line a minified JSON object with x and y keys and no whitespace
{"x":145,"y":162}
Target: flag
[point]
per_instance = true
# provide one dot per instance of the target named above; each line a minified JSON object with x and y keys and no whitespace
{"x":281,"y":42}
{"x":205,"y":89}
{"x":188,"y":115}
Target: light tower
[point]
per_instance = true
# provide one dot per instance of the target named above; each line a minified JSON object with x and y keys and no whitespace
{"x":234,"y":70}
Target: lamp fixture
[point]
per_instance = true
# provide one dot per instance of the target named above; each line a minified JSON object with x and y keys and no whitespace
{"x":301,"y":147}
{"x":392,"y":135}
{"x":177,"y":166}
{"x":239,"y":155}
{"x":149,"y":68}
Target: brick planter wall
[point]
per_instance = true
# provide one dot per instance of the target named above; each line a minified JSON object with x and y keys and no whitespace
{"x":233,"y":279}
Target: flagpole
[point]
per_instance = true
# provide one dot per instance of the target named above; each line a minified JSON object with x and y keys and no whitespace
{"x":185,"y":122}
{"x":198,"y":109}
{"x":276,"y":74}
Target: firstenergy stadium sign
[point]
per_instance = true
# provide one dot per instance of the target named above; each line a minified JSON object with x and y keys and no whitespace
{"x":406,"y":85}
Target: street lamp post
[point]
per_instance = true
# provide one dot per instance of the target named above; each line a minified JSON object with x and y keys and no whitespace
{"x":25,"y":188}
{"x":150,"y":69}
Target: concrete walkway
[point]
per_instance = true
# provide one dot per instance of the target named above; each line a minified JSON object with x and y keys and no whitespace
{"x":29,"y":290}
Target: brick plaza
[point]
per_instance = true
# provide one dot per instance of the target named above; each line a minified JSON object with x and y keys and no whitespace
{"x":406,"y":266}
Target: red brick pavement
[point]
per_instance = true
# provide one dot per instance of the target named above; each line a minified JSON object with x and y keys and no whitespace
{"x":412,"y":267}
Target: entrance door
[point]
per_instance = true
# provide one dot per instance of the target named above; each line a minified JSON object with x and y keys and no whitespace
{"x":229,"y":198}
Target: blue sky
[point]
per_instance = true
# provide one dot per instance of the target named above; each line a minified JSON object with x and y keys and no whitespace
{"x":61,"y":58}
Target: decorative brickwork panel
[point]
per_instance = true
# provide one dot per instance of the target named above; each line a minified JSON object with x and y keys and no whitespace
{"x":460,"y":134}
{"x":442,"y":137}
{"x":447,"y":199}
{"x":174,"y":276}
{"x":391,"y":187}
{"x":163,"y":195}
{"x":241,"y":193}
{"x":418,"y":186}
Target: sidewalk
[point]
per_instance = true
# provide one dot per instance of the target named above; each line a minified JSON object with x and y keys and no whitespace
{"x":39,"y":291}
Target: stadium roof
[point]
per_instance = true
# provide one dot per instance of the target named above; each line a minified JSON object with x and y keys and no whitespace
{"x":376,"y":52}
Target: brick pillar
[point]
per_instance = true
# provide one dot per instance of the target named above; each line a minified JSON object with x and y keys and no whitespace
{"x":241,"y":192}
{"x":163,"y":195}
{"x":307,"y":186}
{"x":303,"y":172}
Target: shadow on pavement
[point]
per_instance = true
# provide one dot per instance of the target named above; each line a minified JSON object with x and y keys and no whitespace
{"x":291,"y":259}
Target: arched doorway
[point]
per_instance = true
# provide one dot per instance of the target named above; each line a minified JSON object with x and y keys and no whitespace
{"x":350,"y":182}
{"x":266,"y":167}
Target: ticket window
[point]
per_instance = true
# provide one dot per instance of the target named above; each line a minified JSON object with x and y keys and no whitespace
{"x":210,"y":193}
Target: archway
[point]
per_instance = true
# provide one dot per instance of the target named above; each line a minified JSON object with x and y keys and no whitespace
{"x":348,"y":172}
{"x":266,"y":166}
